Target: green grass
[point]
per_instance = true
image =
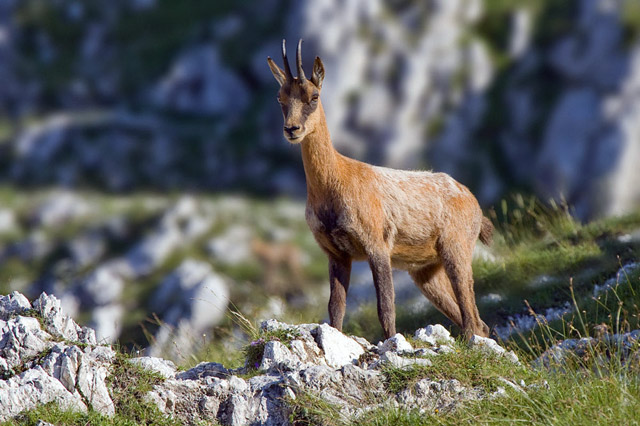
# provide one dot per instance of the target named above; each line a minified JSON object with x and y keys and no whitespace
{"x":308,"y":409}
{"x":254,"y":351}
{"x":575,"y":398}
{"x":599,"y":385}
{"x":469,"y":366}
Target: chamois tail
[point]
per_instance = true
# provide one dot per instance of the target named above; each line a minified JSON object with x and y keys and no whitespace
{"x":486,"y":231}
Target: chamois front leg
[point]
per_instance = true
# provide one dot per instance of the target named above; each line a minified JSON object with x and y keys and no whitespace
{"x":339,"y":275}
{"x":381,"y":269}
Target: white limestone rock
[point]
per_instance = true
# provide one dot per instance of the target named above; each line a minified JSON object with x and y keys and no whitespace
{"x":83,"y":373}
{"x":21,"y":338}
{"x":277,"y":355}
{"x":8,"y":221}
{"x":403,"y":362}
{"x":395,"y":343}
{"x":33,"y":388}
{"x":338,"y":348}
{"x":434,"y":335}
{"x":491,"y":347}
{"x":163,"y":367}
{"x":12,"y":305}
{"x":59,"y":324}
{"x":91,"y":382}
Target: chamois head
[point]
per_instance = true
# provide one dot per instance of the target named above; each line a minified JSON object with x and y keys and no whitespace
{"x":298,"y":97}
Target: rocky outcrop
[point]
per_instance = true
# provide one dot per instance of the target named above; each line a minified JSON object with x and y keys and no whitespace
{"x":343,"y":371}
{"x":500,"y":96}
{"x":46,"y":357}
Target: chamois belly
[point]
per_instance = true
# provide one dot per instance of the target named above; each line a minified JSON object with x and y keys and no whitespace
{"x":333,"y":233}
{"x":412,"y":256}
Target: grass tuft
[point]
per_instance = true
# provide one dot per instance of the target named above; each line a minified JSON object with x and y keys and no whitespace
{"x":254,"y":351}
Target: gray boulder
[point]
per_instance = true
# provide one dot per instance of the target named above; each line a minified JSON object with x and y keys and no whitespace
{"x":338,"y":348}
{"x":39,"y":365}
{"x":32,"y":388}
{"x":21,"y":339}
{"x":199,"y":83}
{"x":13,"y":304}
{"x":59,"y":324}
{"x":165,"y":368}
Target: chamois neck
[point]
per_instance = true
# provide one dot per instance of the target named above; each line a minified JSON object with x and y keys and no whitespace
{"x":320,"y":158}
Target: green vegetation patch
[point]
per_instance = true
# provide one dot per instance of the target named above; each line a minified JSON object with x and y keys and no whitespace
{"x":567,"y":399}
{"x":471,"y":367}
{"x":129,"y":384}
{"x":254,"y":351}
{"x":308,"y":409}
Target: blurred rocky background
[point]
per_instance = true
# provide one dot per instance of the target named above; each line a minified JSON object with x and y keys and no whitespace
{"x":126,"y":125}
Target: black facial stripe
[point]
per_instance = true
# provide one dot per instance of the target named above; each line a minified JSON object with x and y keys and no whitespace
{"x":308,"y":109}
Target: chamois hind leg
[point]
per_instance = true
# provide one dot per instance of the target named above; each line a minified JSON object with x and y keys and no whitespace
{"x":381,"y":270}
{"x":456,"y":259}
{"x":433,"y":282}
{"x":339,"y":275}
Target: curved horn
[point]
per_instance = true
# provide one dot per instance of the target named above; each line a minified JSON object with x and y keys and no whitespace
{"x":287,"y":70}
{"x":301,"y":76}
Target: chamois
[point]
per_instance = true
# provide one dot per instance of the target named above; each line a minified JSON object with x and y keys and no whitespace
{"x":426,"y":223}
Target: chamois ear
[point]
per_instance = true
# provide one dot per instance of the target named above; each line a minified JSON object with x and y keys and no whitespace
{"x":318,"y":73}
{"x":276,"y":71}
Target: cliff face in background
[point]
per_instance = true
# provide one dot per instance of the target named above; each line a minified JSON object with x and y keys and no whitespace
{"x":156,"y":94}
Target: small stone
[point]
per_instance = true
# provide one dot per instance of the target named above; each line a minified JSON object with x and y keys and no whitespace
{"x":403,"y":362}
{"x":13,"y":304}
{"x":396,"y":343}
{"x":276,"y":355}
{"x":363,"y":342}
{"x":487,"y":345}
{"x":163,"y":367}
{"x":490,"y":346}
{"x":422,"y":352}
{"x":444,"y":349}
{"x":434,"y":335}
{"x":204,"y":369}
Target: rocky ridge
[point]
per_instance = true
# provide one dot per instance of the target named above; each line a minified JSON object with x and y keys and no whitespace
{"x":47,"y":357}
{"x":496,"y":95}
